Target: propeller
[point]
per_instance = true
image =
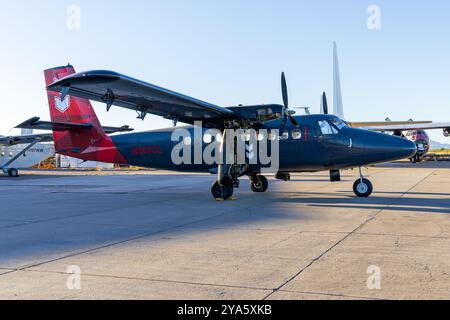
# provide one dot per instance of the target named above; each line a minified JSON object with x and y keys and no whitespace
{"x":324,"y":104}
{"x":287,"y":115}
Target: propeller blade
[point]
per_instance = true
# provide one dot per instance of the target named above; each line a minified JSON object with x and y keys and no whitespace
{"x":284,"y":89}
{"x":324,"y":105}
{"x":283,"y":125}
{"x":293,"y":121}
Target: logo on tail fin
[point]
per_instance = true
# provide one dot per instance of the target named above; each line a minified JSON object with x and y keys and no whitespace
{"x":62,"y":106}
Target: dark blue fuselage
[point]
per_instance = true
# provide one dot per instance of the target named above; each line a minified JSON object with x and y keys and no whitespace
{"x":314,"y":149}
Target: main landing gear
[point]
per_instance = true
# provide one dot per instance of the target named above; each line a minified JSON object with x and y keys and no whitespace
{"x":363,"y":188}
{"x":224,"y":189}
{"x":259,"y":184}
{"x":416,"y":159}
{"x":11,"y":172}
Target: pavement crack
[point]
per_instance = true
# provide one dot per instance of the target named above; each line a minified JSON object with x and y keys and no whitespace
{"x":371,"y":218}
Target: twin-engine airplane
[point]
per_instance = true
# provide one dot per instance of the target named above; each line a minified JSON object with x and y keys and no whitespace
{"x":306,"y":143}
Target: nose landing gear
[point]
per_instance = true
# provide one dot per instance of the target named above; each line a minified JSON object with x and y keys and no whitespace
{"x":362,"y":187}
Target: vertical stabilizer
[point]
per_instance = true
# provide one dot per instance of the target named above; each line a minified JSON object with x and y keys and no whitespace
{"x":337,"y":90}
{"x":91,"y":144}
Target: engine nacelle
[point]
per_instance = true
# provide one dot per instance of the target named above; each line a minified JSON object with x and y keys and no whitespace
{"x":447,"y":132}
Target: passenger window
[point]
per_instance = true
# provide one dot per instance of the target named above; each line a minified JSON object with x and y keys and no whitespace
{"x":187,"y":141}
{"x":207,"y":138}
{"x":272,"y":136}
{"x":326,"y":128}
{"x":245,"y":137}
{"x":296,"y":134}
{"x":260,"y":136}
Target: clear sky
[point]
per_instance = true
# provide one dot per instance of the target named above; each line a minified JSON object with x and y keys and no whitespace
{"x":232,"y":51}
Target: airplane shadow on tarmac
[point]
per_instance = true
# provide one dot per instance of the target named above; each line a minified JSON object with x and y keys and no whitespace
{"x":376,"y":201}
{"x":59,"y":221}
{"x":420,"y":165}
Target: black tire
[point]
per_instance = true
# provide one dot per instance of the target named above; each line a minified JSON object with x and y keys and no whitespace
{"x":363,"y":189}
{"x":222,"y":192}
{"x":261,"y":185}
{"x":13,"y":173}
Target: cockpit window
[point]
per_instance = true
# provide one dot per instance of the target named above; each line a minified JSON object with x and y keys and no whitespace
{"x":326,"y":128}
{"x":338,"y":123}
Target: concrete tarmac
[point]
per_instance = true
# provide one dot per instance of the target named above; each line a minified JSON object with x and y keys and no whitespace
{"x":157,"y":235}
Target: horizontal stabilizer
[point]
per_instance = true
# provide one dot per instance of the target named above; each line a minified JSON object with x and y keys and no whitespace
{"x":36,"y":124}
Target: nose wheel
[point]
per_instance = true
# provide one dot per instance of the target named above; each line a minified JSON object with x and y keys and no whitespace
{"x":362,"y":187}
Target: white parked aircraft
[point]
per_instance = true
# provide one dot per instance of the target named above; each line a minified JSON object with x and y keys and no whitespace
{"x":24,"y":151}
{"x":27,"y":150}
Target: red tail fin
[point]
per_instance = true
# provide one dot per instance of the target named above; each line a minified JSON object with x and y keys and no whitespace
{"x":87,"y":144}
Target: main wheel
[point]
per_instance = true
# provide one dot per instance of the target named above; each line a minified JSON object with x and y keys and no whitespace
{"x":260,"y":185}
{"x":222,"y":191}
{"x":363,"y":189}
{"x":14,"y":173}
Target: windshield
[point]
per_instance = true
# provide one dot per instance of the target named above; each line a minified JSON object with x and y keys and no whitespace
{"x":338,"y":123}
{"x":326,"y":128}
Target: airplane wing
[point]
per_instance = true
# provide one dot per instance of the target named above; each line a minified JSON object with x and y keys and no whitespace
{"x":36,"y":124}
{"x":26,"y":139}
{"x":116,"y":89}
{"x":366,"y":125}
{"x":410,"y":126}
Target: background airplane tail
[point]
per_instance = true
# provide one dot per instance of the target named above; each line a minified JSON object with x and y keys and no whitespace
{"x":89,"y":143}
{"x":337,"y":90}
